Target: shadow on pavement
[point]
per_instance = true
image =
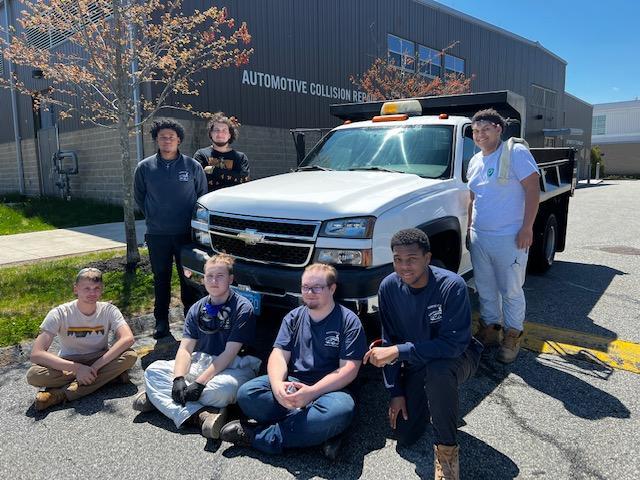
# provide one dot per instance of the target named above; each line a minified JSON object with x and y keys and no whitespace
{"x":565,"y":296}
{"x":88,"y":405}
{"x":477,"y":459}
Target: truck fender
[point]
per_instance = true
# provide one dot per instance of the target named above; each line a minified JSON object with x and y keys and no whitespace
{"x":445,"y":238}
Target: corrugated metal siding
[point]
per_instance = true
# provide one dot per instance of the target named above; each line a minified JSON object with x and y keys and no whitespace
{"x":327,"y":41}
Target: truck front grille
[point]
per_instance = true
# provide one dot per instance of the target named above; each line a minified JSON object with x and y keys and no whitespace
{"x":264,"y":240}
{"x":268,"y":227}
{"x":274,"y":253}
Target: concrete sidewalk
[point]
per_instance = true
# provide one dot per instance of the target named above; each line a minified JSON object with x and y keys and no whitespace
{"x":29,"y":247}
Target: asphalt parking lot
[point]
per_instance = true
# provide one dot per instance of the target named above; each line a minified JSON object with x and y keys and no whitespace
{"x":544,"y":417}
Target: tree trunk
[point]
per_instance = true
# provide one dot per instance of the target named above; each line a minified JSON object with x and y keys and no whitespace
{"x":128,"y":203}
{"x":123,"y":98}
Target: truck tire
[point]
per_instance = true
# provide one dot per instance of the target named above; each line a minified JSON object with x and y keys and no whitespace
{"x":543,"y":251}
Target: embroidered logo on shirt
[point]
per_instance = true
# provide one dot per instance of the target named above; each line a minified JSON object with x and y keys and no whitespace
{"x":183,"y":176}
{"x":490,"y":172}
{"x":434,"y":313}
{"x":332,"y":339}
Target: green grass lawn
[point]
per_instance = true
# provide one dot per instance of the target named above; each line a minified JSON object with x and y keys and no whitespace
{"x":19,"y":214}
{"x":28,"y":292}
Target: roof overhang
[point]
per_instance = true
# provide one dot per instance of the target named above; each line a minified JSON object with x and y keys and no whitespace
{"x":562,"y":132}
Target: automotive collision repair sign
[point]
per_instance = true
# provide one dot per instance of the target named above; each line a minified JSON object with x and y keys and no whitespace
{"x":303,"y":87}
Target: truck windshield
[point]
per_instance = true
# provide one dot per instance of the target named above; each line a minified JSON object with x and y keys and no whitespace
{"x":423,"y":150}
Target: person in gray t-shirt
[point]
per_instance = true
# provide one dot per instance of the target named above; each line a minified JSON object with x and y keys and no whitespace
{"x":85,"y":361}
{"x":167,"y":186}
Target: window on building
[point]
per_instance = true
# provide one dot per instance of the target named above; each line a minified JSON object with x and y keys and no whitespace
{"x":401,"y":52}
{"x":429,"y":61}
{"x":598,"y":125}
{"x":453,"y":64}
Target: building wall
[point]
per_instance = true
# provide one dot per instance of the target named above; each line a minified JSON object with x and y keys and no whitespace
{"x":577,"y":115}
{"x":314,"y":47}
{"x":620,"y":141}
{"x":621,"y":158}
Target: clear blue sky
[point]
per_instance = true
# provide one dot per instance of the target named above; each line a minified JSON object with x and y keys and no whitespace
{"x":599,"y":40}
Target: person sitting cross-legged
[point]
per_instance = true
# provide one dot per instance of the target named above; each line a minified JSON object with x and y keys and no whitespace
{"x":85,"y":361}
{"x":207,"y":371}
{"x":303,"y":400}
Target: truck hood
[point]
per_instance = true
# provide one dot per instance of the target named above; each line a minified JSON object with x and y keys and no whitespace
{"x":318,"y":195}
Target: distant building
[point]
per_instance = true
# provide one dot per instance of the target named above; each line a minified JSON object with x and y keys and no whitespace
{"x":616,"y":130}
{"x":305,"y":54}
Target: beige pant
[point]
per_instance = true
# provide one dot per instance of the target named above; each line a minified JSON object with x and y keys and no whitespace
{"x":40,"y":376}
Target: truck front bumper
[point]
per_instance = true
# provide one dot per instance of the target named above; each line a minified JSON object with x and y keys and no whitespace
{"x":354,"y":283}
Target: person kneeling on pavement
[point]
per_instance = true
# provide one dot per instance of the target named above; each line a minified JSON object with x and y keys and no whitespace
{"x":207,"y":371}
{"x":84,"y":363}
{"x":427,"y":349}
{"x":303,"y":400}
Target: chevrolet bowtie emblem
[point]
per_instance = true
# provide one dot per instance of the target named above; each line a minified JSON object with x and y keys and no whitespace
{"x":250,"y":236}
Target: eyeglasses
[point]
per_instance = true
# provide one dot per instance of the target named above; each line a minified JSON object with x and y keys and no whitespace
{"x":168,"y":139}
{"x":314,"y":288}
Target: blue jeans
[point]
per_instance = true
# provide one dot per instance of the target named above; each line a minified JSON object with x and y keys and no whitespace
{"x":280,"y":428}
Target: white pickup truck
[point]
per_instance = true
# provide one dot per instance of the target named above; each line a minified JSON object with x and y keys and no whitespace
{"x":391,"y":165}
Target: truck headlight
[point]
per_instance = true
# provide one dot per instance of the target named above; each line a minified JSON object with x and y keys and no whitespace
{"x":361,"y":227}
{"x":200,"y":218}
{"x":359,"y":258}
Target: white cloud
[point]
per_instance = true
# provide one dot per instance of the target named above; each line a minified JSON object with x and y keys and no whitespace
{"x":615,"y":89}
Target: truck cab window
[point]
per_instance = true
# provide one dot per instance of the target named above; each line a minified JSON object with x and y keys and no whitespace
{"x":469,"y":149}
{"x":423,"y":150}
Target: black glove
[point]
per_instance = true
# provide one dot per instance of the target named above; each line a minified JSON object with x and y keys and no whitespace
{"x":178,"y":391}
{"x":193,"y":392}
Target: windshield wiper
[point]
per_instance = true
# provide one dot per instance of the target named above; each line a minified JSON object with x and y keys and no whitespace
{"x":376,"y":169}
{"x":312,"y":167}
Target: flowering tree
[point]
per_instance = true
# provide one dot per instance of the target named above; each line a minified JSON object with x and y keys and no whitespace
{"x":122,"y":47}
{"x":386,"y":80}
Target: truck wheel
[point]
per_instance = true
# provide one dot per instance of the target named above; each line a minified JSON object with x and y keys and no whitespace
{"x":543,"y":252}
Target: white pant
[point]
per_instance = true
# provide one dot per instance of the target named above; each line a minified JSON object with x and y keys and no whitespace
{"x":219,"y":392}
{"x":499,"y":268}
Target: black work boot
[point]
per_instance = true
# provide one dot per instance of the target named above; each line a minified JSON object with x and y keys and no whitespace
{"x":237,"y":432}
{"x":331,"y":447}
{"x":162,"y":329}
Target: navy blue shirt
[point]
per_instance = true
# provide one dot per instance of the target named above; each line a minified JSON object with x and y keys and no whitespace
{"x":166,"y":192}
{"x":317,"y":347}
{"x":234,"y":322}
{"x":426,"y":324}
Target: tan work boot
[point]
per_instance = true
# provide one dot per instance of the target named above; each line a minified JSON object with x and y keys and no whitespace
{"x":488,"y":334}
{"x":210,"y":421}
{"x":142,"y":404}
{"x":510,"y":346}
{"x":445,"y":461}
{"x":49,"y":398}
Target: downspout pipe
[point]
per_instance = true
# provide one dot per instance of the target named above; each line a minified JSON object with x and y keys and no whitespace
{"x":14,"y":107}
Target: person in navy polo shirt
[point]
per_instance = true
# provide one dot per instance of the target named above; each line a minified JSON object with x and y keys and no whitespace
{"x":166,"y":187}
{"x":208,"y":368}
{"x":302,"y":401}
{"x":427,"y":349}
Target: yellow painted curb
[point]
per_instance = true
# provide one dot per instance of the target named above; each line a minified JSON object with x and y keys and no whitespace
{"x":618,"y":354}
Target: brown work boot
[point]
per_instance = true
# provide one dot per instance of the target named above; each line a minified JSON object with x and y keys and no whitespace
{"x":510,"y":346}
{"x":210,"y":421}
{"x":445,"y":461}
{"x":49,"y":398}
{"x":488,"y":334}
{"x":142,"y":404}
